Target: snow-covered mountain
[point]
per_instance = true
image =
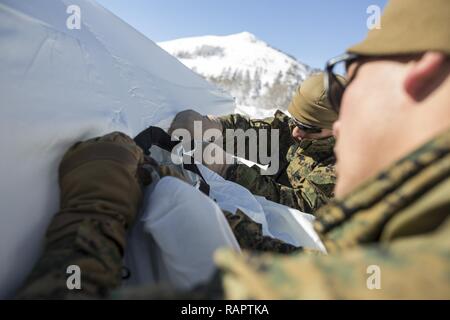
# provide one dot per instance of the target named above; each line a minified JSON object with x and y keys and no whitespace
{"x":257,"y":75}
{"x":60,"y":85}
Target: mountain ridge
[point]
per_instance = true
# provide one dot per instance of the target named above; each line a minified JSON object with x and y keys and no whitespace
{"x":256,"y":74}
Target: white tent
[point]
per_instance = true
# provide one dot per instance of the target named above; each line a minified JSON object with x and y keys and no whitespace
{"x":61,"y":85}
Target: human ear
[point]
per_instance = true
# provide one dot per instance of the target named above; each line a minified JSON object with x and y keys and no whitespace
{"x":421,"y":73}
{"x":336,"y":128}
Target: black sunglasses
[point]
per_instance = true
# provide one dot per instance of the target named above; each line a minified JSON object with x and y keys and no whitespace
{"x":304,"y":127}
{"x":333,"y":86}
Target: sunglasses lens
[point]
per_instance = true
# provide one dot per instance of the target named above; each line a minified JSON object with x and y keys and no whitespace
{"x":336,"y":91}
{"x":305,"y":128}
{"x":337,"y":85}
{"x":311,"y":130}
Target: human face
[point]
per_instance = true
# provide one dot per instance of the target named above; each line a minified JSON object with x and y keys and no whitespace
{"x":371,"y":129}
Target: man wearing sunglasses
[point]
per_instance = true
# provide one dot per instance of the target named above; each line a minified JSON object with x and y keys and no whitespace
{"x":306,"y":177}
{"x":388,"y":230}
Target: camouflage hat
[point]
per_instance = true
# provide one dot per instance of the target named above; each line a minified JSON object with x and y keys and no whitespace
{"x":409,"y":27}
{"x":310,"y":104}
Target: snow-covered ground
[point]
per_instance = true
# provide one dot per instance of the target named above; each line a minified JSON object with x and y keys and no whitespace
{"x":256,"y":74}
{"x":59,"y":86}
{"x":254,"y":112}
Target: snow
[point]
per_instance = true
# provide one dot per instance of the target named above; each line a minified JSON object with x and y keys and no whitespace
{"x":243,"y":65}
{"x":243,"y":50}
{"x":254,"y":112}
{"x":59,"y":86}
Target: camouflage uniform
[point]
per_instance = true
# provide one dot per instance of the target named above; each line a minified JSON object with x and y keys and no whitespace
{"x":306,"y":176}
{"x":100,"y":197}
{"x":398,"y":221}
{"x":250,"y":236}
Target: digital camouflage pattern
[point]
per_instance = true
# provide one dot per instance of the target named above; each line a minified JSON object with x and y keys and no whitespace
{"x":100,"y":182}
{"x":100,"y":197}
{"x":306,"y":176}
{"x":250,"y":236}
{"x":398,"y":222}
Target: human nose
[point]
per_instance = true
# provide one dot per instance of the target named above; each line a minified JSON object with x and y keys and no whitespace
{"x":297,"y":133}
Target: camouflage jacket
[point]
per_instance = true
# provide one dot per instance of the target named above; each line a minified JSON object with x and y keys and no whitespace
{"x":306,"y":175}
{"x":249,"y":235}
{"x":388,"y":239}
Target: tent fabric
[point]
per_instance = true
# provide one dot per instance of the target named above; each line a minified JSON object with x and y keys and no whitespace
{"x":59,"y":86}
{"x":174,"y":240}
{"x":278,"y":221}
{"x":180,"y":228}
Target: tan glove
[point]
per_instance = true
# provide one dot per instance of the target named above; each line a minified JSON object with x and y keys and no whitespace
{"x":186,"y":120}
{"x":102,"y":170}
{"x":100,"y":196}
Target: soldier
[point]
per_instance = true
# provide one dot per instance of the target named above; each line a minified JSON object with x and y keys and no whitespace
{"x":101,"y":182}
{"x":100,"y":185}
{"x":390,"y":217}
{"x":388,"y":230}
{"x":305,"y":179}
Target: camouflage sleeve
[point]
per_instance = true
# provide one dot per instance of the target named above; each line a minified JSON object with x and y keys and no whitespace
{"x":237,"y":121}
{"x":100,"y":196}
{"x":278,"y":122}
{"x":250,"y":236}
{"x":307,"y":196}
{"x":409,"y":268}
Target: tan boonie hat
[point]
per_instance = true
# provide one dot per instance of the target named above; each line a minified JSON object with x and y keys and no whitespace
{"x":310,"y":104}
{"x":408,"y":27}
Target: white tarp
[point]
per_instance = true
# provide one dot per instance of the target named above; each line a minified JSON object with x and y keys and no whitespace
{"x":58,"y":86}
{"x":278,"y":221}
{"x":174,"y":240}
